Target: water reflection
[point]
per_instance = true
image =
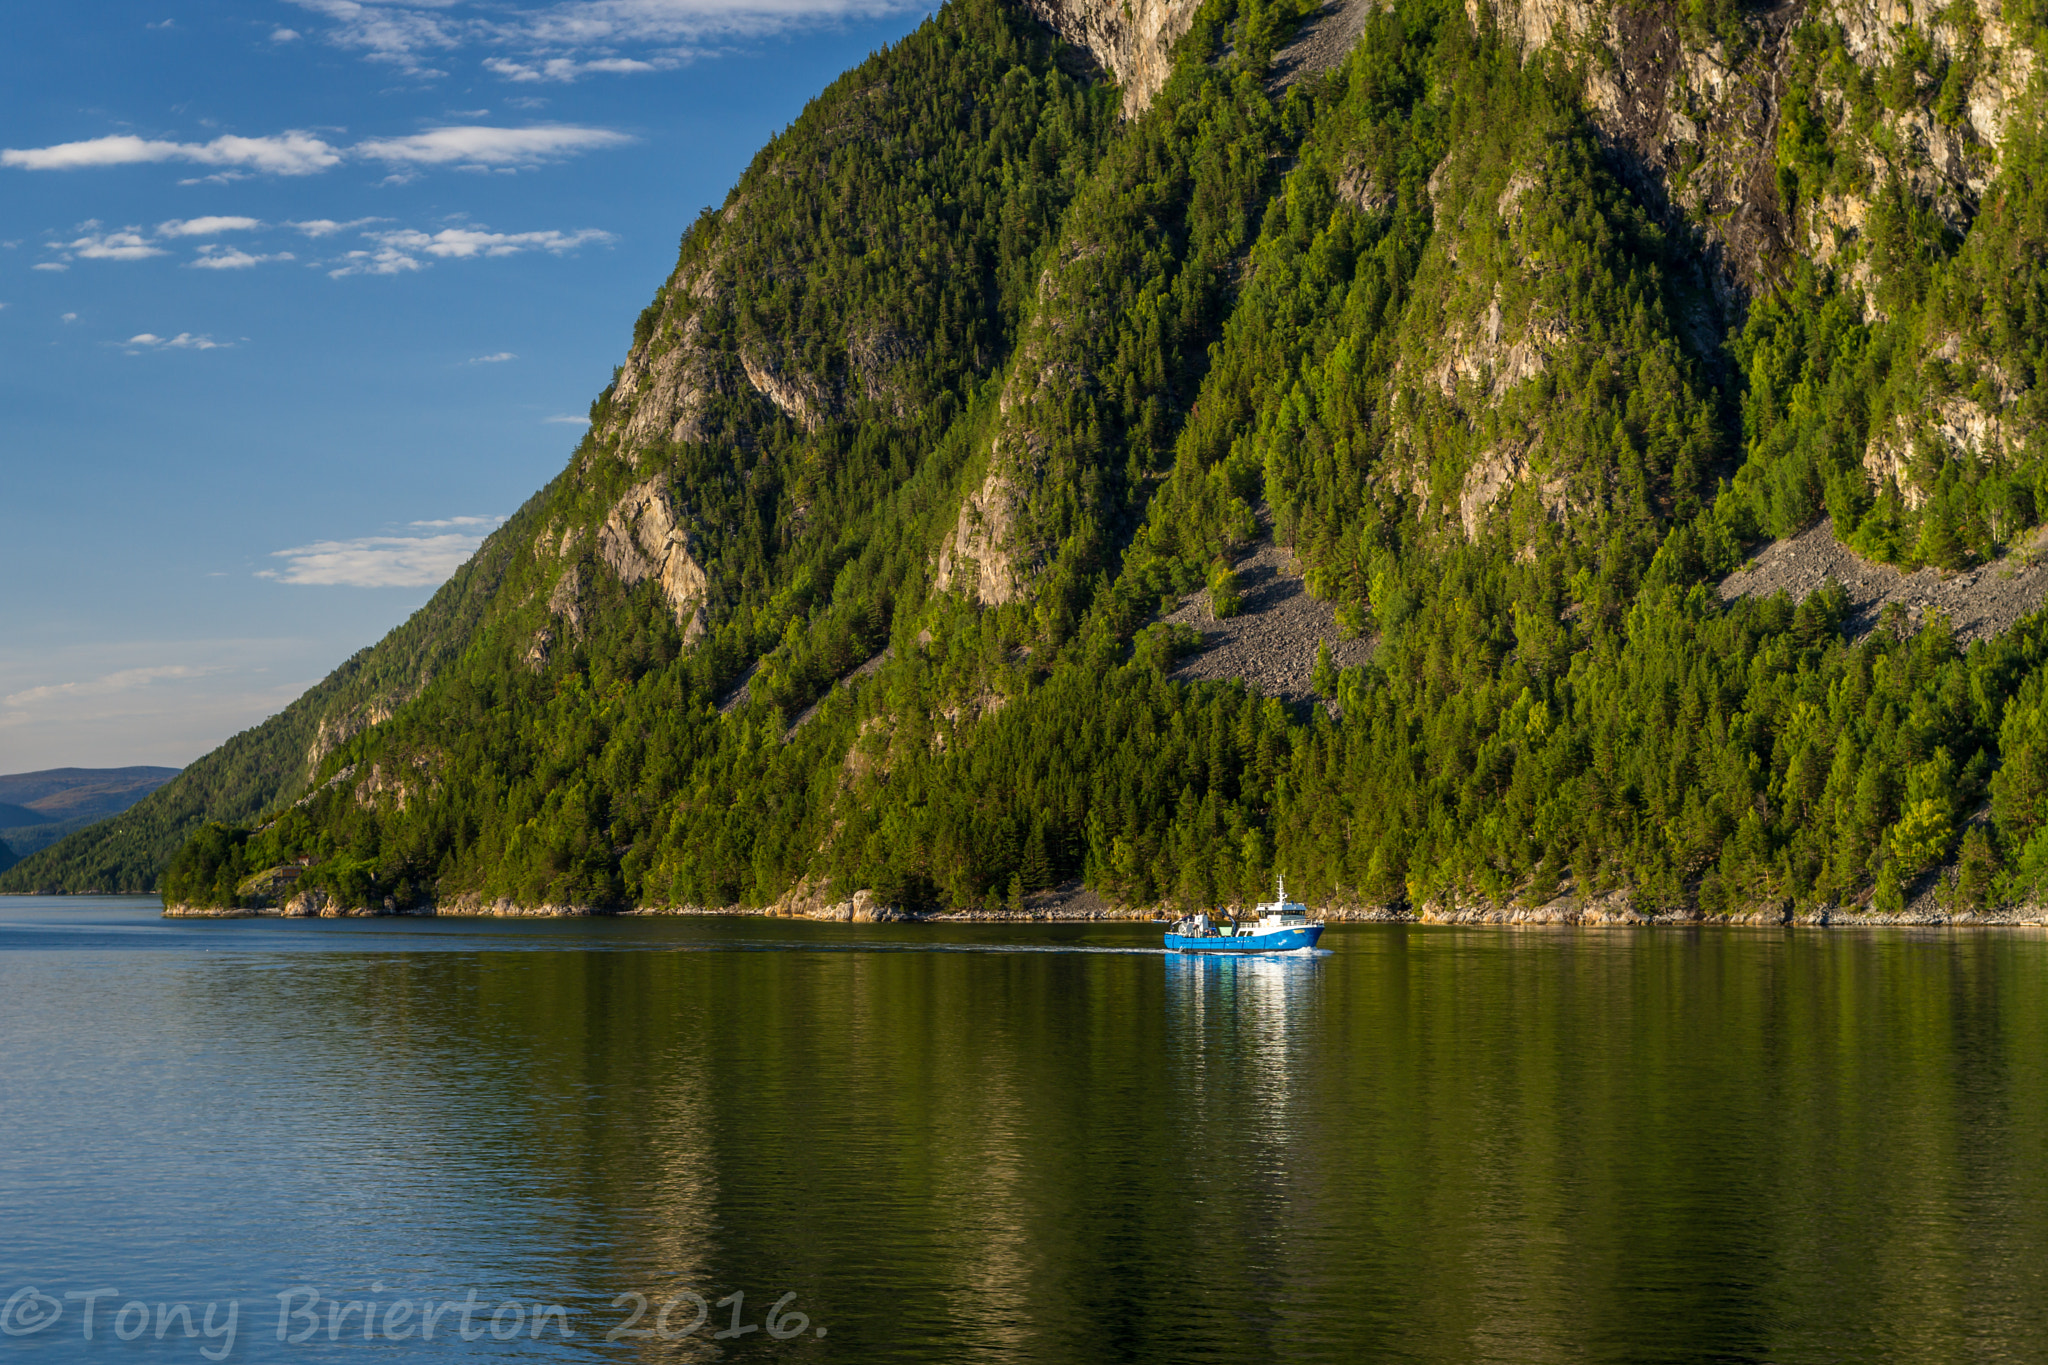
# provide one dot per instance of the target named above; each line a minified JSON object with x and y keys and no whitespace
{"x":1429,"y":1144}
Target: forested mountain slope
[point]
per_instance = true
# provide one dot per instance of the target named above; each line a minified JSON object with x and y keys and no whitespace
{"x":1520,"y":326}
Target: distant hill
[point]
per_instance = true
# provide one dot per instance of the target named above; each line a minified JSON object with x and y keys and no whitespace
{"x":20,"y":815}
{"x":68,"y":793}
{"x":37,"y":809}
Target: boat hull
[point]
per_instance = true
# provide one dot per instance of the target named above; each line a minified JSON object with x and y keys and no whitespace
{"x":1279,"y":941}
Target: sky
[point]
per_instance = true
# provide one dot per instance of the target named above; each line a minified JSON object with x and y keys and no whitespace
{"x":300,"y":298}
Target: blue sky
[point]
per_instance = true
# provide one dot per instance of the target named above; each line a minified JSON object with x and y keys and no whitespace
{"x":298,"y":297}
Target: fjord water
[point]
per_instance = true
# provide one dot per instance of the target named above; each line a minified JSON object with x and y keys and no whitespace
{"x":1028,"y":1142}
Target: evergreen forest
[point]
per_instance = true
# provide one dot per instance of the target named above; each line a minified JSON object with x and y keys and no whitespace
{"x":857,"y":582}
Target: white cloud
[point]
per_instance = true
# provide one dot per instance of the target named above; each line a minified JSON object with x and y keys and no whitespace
{"x":327,"y":227}
{"x":400,"y":251}
{"x":388,"y":33}
{"x":123,"y":244}
{"x":568,"y":420}
{"x":127,"y":680}
{"x":205,"y":227}
{"x":382,"y":261}
{"x":289,"y":153}
{"x":70,"y":317}
{"x":376,"y":561}
{"x":570,"y":38}
{"x":284,"y":35}
{"x":183,"y":341}
{"x":566,"y":69}
{"x":459,"y":521}
{"x":477,"y":145}
{"x":49,"y":265}
{"x":462,"y":243}
{"x":467,"y":146}
{"x":233,"y":258}
{"x":496,"y":357}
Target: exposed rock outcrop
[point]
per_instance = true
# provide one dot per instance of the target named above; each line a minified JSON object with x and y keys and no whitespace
{"x":644,"y":537}
{"x":668,"y":381}
{"x":1132,"y":38}
{"x":978,"y":558}
{"x":1697,"y":122}
{"x":339,"y":727}
{"x":798,"y":395}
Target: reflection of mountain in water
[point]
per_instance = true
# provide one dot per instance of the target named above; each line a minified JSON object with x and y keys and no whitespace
{"x":1429,"y":1144}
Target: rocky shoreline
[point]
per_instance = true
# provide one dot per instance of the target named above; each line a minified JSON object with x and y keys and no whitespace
{"x":1504,"y":918}
{"x":1073,"y":902}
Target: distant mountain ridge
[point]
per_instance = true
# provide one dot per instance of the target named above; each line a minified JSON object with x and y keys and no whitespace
{"x":38,"y":809}
{"x":68,"y":793}
{"x":11,"y":815}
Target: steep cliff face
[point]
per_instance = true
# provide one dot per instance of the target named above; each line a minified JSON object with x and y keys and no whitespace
{"x":1133,"y":39}
{"x":1706,"y":115}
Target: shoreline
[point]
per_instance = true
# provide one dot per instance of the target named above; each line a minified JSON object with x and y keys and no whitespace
{"x":1512,"y":918}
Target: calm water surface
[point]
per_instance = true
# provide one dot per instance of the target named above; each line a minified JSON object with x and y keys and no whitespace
{"x":1020,"y":1143}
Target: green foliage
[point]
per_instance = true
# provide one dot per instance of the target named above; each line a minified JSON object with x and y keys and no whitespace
{"x":1407,"y":321}
{"x":1224,"y":599}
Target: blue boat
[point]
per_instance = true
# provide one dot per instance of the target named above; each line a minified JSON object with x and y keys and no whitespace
{"x":1281,"y":926}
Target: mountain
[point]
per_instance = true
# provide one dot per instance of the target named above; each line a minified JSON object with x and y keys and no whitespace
{"x":71,"y":793}
{"x":20,"y":815}
{"x":38,"y":809}
{"x":1157,"y":444}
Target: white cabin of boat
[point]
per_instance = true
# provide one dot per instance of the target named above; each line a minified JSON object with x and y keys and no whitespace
{"x":1271,"y":917}
{"x":1280,"y":912}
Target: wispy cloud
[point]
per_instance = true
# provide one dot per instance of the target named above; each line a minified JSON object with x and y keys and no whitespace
{"x":479,"y":145}
{"x":284,"y":35}
{"x":300,"y":153}
{"x":183,"y":341}
{"x":568,"y":39}
{"x":565,"y":69}
{"x":206,"y":227}
{"x":49,"y":265}
{"x":398,"y":252}
{"x":389,"y":33}
{"x":290,"y":153}
{"x":127,"y":680}
{"x":376,"y":561}
{"x":568,"y":420}
{"x":233,"y":258}
{"x":327,"y":227}
{"x":122,"y":244}
{"x":495,"y":358}
{"x":446,"y":522}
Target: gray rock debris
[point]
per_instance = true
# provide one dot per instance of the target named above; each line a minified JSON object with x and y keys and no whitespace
{"x":1980,"y":602}
{"x":1272,"y":643}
